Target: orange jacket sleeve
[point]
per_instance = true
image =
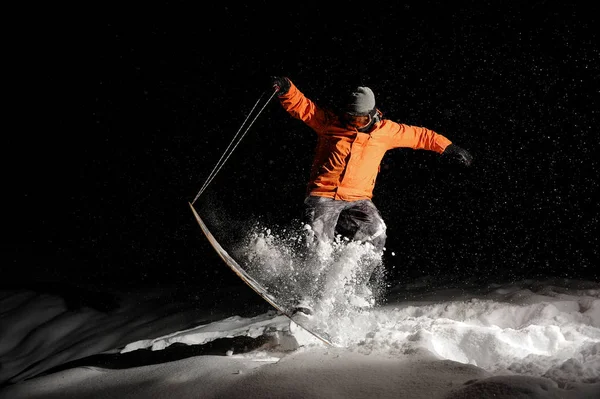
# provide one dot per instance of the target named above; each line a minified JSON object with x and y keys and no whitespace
{"x":301,"y":107}
{"x":418,"y":138}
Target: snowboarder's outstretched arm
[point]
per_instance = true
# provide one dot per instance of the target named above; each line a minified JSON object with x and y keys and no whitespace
{"x":297,"y":104}
{"x":417,"y":137}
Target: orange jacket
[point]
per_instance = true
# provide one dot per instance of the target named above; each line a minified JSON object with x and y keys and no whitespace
{"x":346,"y":161}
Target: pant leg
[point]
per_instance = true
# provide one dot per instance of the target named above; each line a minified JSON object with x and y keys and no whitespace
{"x":321,"y":214}
{"x":361,"y":221}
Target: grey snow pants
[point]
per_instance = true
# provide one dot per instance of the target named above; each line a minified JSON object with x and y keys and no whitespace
{"x":356,"y":220}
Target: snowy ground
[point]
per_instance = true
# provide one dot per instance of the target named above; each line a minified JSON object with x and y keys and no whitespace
{"x":533,"y":339}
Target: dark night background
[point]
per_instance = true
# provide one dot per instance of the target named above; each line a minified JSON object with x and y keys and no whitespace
{"x":159,"y":99}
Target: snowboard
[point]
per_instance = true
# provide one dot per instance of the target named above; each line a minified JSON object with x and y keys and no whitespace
{"x":255,"y":285}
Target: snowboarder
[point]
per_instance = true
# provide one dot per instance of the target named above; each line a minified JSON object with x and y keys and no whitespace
{"x":353,"y":137}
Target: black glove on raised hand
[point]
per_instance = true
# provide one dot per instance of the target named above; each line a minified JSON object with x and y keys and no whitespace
{"x":280,"y":84}
{"x":456,"y":153}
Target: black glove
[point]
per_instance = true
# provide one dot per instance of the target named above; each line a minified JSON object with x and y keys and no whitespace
{"x":280,"y":84}
{"x":456,"y":153}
